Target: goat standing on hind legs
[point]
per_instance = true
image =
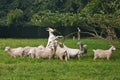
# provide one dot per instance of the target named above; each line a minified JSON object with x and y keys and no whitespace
{"x":51,"y":37}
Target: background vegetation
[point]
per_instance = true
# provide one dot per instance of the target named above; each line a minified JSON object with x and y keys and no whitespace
{"x":99,"y":17}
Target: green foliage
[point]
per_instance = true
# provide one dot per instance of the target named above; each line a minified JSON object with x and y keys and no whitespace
{"x":92,"y":7}
{"x":102,"y":16}
{"x":2,"y":22}
{"x":14,"y":16}
{"x":46,"y":18}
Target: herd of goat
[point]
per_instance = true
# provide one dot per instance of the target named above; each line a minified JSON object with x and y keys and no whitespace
{"x":56,"y":49}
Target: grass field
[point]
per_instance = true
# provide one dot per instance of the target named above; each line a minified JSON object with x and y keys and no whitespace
{"x":43,"y":69}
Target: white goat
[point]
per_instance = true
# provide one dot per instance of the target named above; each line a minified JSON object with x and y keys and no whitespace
{"x":51,"y":37}
{"x":26,"y":50}
{"x":99,"y":53}
{"x":41,"y":51}
{"x":60,"y":52}
{"x":72,"y":52}
{"x":14,"y":52}
{"x":32,"y":51}
{"x":48,"y":52}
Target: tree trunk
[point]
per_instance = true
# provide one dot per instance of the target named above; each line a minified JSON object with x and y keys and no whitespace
{"x":111,"y":34}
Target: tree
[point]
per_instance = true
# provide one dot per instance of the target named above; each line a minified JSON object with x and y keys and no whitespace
{"x":14,"y":17}
{"x":105,"y":18}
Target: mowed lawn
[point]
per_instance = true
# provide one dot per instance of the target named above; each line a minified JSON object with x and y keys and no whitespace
{"x":85,"y":68}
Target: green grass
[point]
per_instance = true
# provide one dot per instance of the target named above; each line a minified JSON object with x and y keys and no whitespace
{"x":44,"y":69}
